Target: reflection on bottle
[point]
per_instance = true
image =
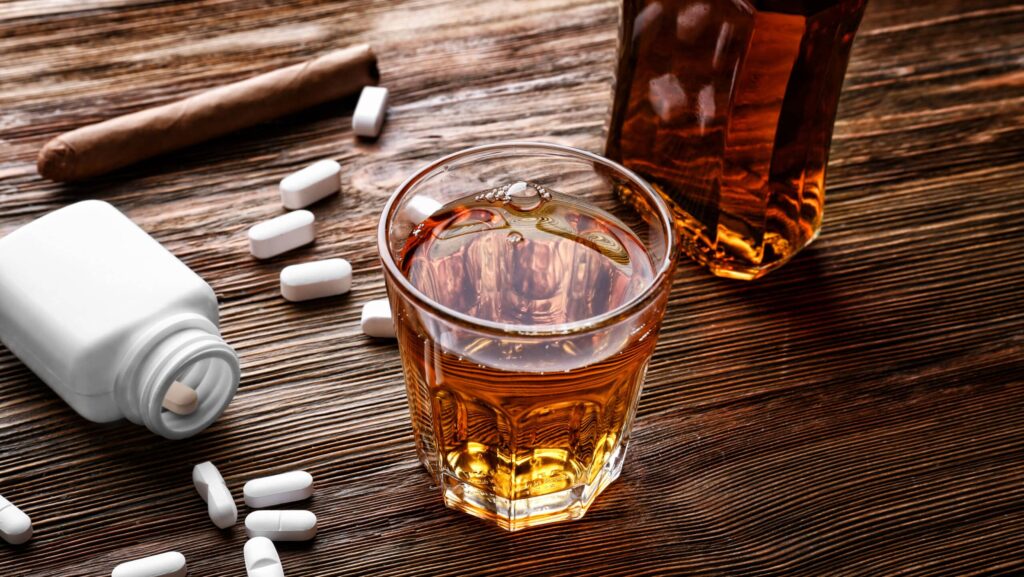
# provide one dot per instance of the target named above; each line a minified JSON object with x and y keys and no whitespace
{"x":727,"y":108}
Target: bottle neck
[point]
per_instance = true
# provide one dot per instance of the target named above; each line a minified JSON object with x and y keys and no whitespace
{"x":187,"y":349}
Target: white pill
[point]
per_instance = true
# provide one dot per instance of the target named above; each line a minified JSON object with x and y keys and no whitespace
{"x":376,"y":320}
{"x":171,"y":564}
{"x":313,"y":280}
{"x":261,"y":559}
{"x":181,"y":399}
{"x":278,"y":489}
{"x":281,"y":234}
{"x":420,"y":208}
{"x":281,"y":525}
{"x":316,"y":181}
{"x":211,"y":488}
{"x":15,"y":526}
{"x":370,"y":110}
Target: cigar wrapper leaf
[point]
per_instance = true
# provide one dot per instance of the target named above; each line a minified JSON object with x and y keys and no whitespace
{"x":100,"y":148}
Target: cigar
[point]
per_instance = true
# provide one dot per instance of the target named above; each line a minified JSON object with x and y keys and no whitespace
{"x":99,"y":148}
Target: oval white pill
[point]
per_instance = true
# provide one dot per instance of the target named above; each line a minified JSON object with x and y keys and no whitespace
{"x":376,"y":320}
{"x":316,"y":181}
{"x":281,"y":234}
{"x":15,"y":525}
{"x":313,"y":280}
{"x":211,"y":488}
{"x":261,"y":558}
{"x":281,"y":525}
{"x":278,"y":489}
{"x":170,"y":564}
{"x":370,"y":110}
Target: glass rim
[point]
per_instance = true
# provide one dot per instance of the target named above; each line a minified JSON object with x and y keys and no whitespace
{"x":662,"y":274}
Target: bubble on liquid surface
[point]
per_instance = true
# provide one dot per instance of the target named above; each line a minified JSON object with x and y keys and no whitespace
{"x":523,"y":196}
{"x":514,"y":237}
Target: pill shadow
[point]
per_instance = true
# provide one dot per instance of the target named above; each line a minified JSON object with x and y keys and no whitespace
{"x":297,"y":545}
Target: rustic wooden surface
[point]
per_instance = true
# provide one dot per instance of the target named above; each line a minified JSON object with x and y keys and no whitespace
{"x":860,"y":411}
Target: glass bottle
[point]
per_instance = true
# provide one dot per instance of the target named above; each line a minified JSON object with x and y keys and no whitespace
{"x":727,"y":107}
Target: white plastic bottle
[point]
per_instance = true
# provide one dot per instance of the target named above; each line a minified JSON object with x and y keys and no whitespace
{"x":109,"y":319}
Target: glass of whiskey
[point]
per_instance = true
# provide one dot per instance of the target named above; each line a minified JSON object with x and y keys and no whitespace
{"x":527,"y":282}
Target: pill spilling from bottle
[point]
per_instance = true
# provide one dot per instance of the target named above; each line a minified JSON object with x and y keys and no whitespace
{"x":376,"y":319}
{"x":317,"y":279}
{"x":170,"y":564}
{"x":261,"y":558}
{"x":368,"y":116}
{"x":15,"y":525}
{"x":278,"y":489}
{"x":214,"y":491}
{"x":315,"y":182}
{"x":293,"y":525}
{"x":281,"y":234}
{"x":181,"y":399}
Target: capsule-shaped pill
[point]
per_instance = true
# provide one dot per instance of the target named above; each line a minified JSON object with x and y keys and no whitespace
{"x":368,"y":116}
{"x":278,"y":489}
{"x":281,"y":525}
{"x":318,"y":279}
{"x":15,"y":525}
{"x":211,"y":488}
{"x":170,"y":564}
{"x":376,"y":319}
{"x":261,"y":558}
{"x":316,"y":181}
{"x":181,"y":399}
{"x":281,"y":234}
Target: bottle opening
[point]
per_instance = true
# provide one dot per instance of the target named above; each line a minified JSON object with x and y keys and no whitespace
{"x":180,"y":380}
{"x":197,"y":394}
{"x":189,"y":397}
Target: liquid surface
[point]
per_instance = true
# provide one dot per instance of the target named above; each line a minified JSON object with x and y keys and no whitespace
{"x":526,"y":257}
{"x":508,"y":440}
{"x":727,"y":108}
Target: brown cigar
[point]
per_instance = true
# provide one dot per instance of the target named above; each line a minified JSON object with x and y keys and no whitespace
{"x":99,"y":148}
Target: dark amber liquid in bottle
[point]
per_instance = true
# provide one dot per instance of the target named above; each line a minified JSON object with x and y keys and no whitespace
{"x":727,"y":107}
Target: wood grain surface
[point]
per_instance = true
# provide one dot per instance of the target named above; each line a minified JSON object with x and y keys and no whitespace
{"x":859,"y":412}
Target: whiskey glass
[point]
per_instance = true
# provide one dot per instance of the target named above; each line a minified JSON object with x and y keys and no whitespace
{"x":523,"y":424}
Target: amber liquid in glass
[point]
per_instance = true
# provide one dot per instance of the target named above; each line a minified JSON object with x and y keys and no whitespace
{"x":524,"y":436}
{"x":727,"y":107}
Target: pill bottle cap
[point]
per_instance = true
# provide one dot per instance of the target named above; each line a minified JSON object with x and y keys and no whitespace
{"x":185,"y":348}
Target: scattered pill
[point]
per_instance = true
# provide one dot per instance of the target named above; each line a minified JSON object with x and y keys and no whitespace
{"x":281,"y":525}
{"x":313,"y":280}
{"x":376,"y":320}
{"x":370,"y":110}
{"x":316,"y":181}
{"x":420,"y":208}
{"x":171,"y":564}
{"x":281,"y":234}
{"x":211,"y":488}
{"x":278,"y":489}
{"x":261,"y":558}
{"x":15,"y":526}
{"x":181,"y":399}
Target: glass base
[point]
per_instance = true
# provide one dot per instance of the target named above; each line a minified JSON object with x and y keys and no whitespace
{"x":516,"y":514}
{"x":736,"y":268}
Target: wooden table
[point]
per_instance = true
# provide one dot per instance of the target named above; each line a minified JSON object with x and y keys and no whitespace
{"x":860,"y":411}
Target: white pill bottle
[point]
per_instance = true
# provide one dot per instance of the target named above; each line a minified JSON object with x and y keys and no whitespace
{"x":109,"y":319}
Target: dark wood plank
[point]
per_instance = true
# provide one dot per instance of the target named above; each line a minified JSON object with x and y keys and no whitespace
{"x":860,"y":411}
